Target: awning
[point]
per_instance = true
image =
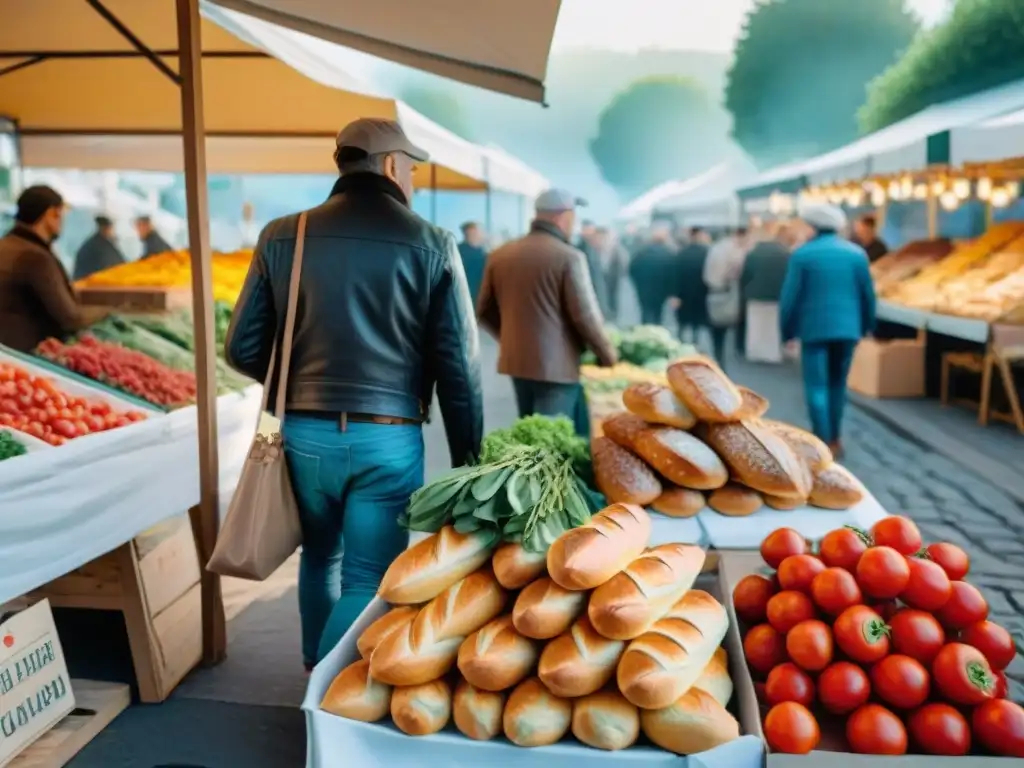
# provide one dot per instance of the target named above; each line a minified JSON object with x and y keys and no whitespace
{"x":500,"y":45}
{"x":989,"y":141}
{"x":713,"y":189}
{"x":508,"y":173}
{"x":643,"y":206}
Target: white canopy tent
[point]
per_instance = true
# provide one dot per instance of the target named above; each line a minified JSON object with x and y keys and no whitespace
{"x":996,"y":139}
{"x":640,"y":209}
{"x":711,"y":200}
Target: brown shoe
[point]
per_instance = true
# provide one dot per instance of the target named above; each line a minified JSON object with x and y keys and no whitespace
{"x":836,"y":446}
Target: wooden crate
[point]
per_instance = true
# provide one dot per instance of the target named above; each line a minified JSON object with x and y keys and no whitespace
{"x":136,"y":299}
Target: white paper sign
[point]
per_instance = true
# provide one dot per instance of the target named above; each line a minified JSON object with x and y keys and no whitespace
{"x":35,"y":688}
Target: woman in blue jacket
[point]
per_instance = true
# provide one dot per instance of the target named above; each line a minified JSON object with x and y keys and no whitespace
{"x":828,"y":303}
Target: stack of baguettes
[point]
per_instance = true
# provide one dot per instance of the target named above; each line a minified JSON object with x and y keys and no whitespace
{"x":702,"y":440}
{"x":600,"y":637}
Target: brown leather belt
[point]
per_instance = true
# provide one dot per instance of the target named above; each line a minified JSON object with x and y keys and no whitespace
{"x":372,"y":418}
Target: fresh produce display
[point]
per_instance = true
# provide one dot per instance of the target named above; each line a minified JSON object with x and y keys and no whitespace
{"x":554,"y":434}
{"x":597,"y":637}
{"x":651,"y":347}
{"x":894,"y":268}
{"x":124,"y":369}
{"x":10,"y":447}
{"x":882,"y":642}
{"x":38,"y":407}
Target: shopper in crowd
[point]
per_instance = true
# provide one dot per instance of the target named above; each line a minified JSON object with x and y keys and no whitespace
{"x":691,"y":293}
{"x":474,"y":256}
{"x":614,"y":260}
{"x":652,"y":272}
{"x":152,"y":242}
{"x":828,"y":304}
{"x":722,"y":270}
{"x":99,"y":252}
{"x":537,"y":300}
{"x":764,"y":270}
{"x":383,"y":315}
{"x":865,"y":234}
{"x":590,"y":247}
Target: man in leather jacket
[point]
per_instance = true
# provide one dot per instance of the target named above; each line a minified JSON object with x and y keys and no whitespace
{"x":383,"y":316}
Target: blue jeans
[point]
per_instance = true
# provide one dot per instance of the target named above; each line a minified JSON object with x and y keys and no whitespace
{"x":350,"y":487}
{"x":548,"y":398}
{"x":826,"y":364}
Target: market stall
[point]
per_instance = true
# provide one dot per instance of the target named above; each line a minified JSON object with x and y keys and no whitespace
{"x":709,"y":200}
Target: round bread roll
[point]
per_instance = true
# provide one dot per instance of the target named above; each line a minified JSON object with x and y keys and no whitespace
{"x":390,"y":622}
{"x":679,"y":502}
{"x":605,"y":720}
{"x":715,"y":678}
{"x":658,"y":405}
{"x":682,"y":458}
{"x":623,"y":428}
{"x":496,"y":657}
{"x":754,"y":405}
{"x":621,"y":476}
{"x":586,"y":557}
{"x":515,"y":566}
{"x":357,"y":696}
{"x":693,"y":723}
{"x":420,"y":710}
{"x":761,"y":459}
{"x":705,"y":389}
{"x":783,"y":505}
{"x":807,"y":446}
{"x":477,"y":713}
{"x":535,"y":717}
{"x":835,"y":488}
{"x":579,"y":662}
{"x":733,"y":500}
{"x":544,"y":610}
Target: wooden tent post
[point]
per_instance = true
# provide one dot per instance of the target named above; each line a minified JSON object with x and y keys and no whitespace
{"x":433,"y":193}
{"x":194,"y":138}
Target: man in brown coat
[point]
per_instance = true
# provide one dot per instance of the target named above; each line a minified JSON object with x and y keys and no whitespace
{"x":537,"y":299}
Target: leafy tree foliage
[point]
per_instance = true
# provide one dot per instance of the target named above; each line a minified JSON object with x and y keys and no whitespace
{"x":442,"y":107}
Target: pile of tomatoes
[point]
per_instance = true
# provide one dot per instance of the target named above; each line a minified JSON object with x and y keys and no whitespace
{"x":36,"y":406}
{"x":877,"y":630}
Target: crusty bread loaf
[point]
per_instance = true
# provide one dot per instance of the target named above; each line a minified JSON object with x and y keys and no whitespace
{"x":761,"y":459}
{"x":705,"y":389}
{"x":694,"y":723}
{"x":391,"y":621}
{"x":356,"y":695}
{"x":735,"y":500}
{"x":586,"y":557}
{"x":628,"y":604}
{"x":429,"y":567}
{"x":477,"y":713}
{"x":544,"y":610}
{"x":515,"y":566}
{"x":679,"y":502}
{"x":535,"y":717}
{"x":754,"y":405}
{"x":420,"y":710}
{"x":682,"y":458}
{"x":623,"y":429}
{"x":580,"y":661}
{"x":496,"y":657}
{"x":661,"y":664}
{"x":783,"y":505}
{"x":621,"y":476}
{"x":657,"y":404}
{"x":428,"y":647}
{"x":715,"y":678}
{"x":835,"y":488}
{"x":807,"y":446}
{"x":605,"y":720}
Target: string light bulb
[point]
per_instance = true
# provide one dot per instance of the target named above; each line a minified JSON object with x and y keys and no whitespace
{"x":962,"y":188}
{"x":921,"y":192}
{"x":999,"y":197}
{"x":894,"y":190}
{"x":984,"y":190}
{"x":938,"y":187}
{"x":1013,"y":189}
{"x":878,"y":196}
{"x":949,"y":201}
{"x":906,"y":187}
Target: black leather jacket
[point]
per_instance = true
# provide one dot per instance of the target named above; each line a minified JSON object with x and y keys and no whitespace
{"x":383,"y":313}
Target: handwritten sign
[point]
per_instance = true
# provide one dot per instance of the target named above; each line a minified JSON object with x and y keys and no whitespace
{"x":35,"y":688}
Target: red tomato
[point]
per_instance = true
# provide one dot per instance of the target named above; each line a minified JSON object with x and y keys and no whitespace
{"x":1002,"y":689}
{"x":789,"y":608}
{"x":999,"y":727}
{"x":882,"y":572}
{"x":787,"y":682}
{"x":965,"y":606}
{"x":953,"y":560}
{"x":764,"y":648}
{"x":843,"y":687}
{"x":900,"y":681}
{"x":862,"y":635}
{"x":874,"y":730}
{"x":791,"y":728}
{"x":939,"y":729}
{"x":899,"y":533}
{"x":929,"y":587}
{"x":963,"y":675}
{"x":834,"y":590}
{"x":843,"y":547}
{"x":809,"y":645}
{"x":798,"y":571}
{"x":995,"y":643}
{"x":750,"y":597}
{"x":916,"y":634}
{"x":780,"y":544}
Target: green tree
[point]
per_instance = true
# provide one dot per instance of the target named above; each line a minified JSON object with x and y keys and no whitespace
{"x":801,"y":68}
{"x":442,"y":107}
{"x":980,"y":46}
{"x":657,"y":129}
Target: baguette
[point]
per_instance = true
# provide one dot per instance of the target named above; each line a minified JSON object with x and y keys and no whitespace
{"x":734,"y":500}
{"x":580,"y":661}
{"x":694,"y":723}
{"x":760,"y":459}
{"x":657,"y":404}
{"x":679,"y":502}
{"x":754,"y":405}
{"x":390,"y":622}
{"x":496,"y":657}
{"x":835,"y":488}
{"x":623,"y":429}
{"x":626,"y":606}
{"x":605,"y":720}
{"x":715,"y":678}
{"x":428,"y":568}
{"x":477,"y":713}
{"x":621,"y":476}
{"x":429,"y":646}
{"x":535,"y":717}
{"x":544,"y":610}
{"x":515,"y":566}
{"x":705,"y":389}
{"x":356,"y":695}
{"x":420,"y":710}
{"x":682,"y":458}
{"x":783,"y":505}
{"x":807,"y":446}
{"x":661,"y":665}
{"x":586,"y":557}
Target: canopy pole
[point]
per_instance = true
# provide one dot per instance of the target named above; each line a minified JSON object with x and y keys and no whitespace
{"x":196,"y":198}
{"x":933,"y":215}
{"x":433,"y":193}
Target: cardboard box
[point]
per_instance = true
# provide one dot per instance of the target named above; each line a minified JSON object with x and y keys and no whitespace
{"x":888,"y":368}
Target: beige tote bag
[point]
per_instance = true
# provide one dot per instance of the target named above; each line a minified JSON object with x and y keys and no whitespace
{"x":262,"y":528}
